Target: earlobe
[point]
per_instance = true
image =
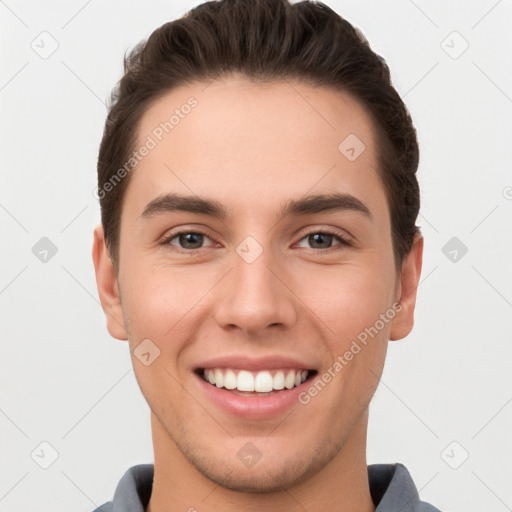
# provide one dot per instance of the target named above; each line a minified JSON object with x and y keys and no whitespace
{"x":409,"y":280}
{"x":108,"y":288}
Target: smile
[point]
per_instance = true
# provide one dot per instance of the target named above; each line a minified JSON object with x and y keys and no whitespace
{"x":256,"y":394}
{"x":260,"y":382}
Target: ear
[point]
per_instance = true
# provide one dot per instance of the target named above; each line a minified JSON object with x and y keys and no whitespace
{"x":108,"y":288}
{"x":407,"y":288}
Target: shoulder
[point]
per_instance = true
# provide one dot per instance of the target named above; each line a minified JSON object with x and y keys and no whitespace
{"x":133,"y":490}
{"x":392,"y":488}
{"x":106,"y":507}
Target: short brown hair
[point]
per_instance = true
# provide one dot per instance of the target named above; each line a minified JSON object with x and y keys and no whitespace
{"x":270,"y":40}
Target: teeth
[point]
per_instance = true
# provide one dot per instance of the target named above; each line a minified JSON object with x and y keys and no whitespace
{"x":263,"y":382}
{"x":278,"y":381}
{"x":245,"y":381}
{"x":260,"y":382}
{"x":219,"y":378}
{"x":230,"y":380}
{"x":289,"y":381}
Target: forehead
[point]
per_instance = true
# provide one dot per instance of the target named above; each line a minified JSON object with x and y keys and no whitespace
{"x":244,"y":138}
{"x":220,"y":108}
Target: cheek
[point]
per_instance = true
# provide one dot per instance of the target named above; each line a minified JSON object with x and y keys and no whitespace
{"x":167,"y":305}
{"x":349,"y":303}
{"x":348,"y":298}
{"x":158,"y":294}
{"x":159,"y":304}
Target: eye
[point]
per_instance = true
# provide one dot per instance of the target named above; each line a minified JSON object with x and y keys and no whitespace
{"x":192,"y":241}
{"x":188,"y":241}
{"x":323,"y":240}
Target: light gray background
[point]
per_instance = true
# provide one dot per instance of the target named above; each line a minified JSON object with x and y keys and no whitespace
{"x":65,"y":382}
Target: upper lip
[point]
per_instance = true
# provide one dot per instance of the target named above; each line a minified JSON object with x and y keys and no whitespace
{"x":255,"y":363}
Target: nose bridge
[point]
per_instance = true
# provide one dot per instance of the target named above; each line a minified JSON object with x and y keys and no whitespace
{"x":254,"y":298}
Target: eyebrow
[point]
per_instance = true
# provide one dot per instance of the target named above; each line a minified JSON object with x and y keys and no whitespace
{"x":308,"y":205}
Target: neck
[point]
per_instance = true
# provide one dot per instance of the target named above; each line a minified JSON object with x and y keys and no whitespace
{"x":340,"y":485}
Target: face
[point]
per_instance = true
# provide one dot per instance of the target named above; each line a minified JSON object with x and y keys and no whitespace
{"x":262,"y":283}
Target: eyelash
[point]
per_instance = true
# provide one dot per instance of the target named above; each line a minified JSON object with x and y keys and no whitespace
{"x":344,"y":242}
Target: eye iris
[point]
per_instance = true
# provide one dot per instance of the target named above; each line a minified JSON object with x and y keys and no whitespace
{"x":192,"y":238}
{"x":320,"y":237}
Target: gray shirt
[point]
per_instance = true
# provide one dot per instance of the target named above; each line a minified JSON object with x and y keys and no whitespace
{"x":391,"y":486}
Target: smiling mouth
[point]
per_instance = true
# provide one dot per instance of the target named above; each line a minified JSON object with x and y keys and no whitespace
{"x":255,"y":383}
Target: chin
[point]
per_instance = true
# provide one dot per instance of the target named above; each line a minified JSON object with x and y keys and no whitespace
{"x":269,"y":474}
{"x":262,"y":480}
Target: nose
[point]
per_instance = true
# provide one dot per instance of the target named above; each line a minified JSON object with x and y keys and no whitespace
{"x":256,"y":297}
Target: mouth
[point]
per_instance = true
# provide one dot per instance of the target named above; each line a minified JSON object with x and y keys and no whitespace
{"x":255,"y":383}
{"x":254,"y":395}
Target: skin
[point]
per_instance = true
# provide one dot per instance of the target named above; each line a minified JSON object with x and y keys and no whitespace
{"x":252,"y":147}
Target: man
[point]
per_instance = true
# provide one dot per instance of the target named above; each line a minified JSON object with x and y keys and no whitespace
{"x":258,"y":250}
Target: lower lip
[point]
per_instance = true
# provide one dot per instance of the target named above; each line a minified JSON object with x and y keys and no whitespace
{"x":253,"y":407}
